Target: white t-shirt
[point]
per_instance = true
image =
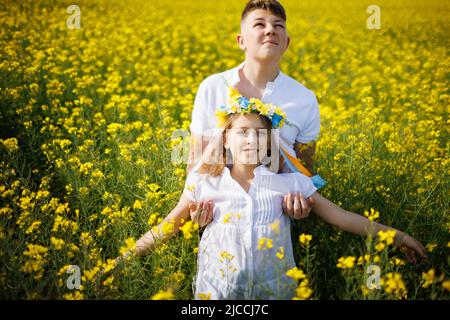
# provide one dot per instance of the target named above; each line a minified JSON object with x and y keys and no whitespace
{"x":230,"y":265}
{"x":299,"y":103}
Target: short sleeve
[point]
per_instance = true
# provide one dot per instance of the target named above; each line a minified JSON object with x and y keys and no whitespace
{"x":200,"y":113}
{"x":311,"y":129}
{"x":304,"y":185}
{"x":192,"y":186}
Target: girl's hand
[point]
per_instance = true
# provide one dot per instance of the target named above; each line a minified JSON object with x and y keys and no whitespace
{"x":202,"y":212}
{"x":409,"y":246}
{"x":296,"y":206}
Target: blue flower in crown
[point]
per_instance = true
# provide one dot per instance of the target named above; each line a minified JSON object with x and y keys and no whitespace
{"x":244,"y":102}
{"x":276,"y":118}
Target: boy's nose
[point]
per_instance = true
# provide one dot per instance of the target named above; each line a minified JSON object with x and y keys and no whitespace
{"x":270,"y":29}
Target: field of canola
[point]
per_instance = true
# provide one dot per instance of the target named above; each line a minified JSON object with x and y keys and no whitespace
{"x":86,"y":123}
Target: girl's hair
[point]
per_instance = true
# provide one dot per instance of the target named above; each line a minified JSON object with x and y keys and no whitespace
{"x":215,"y":156}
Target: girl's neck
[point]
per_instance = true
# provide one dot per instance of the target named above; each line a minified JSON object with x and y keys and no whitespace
{"x":243,"y":171}
{"x":258,"y":74}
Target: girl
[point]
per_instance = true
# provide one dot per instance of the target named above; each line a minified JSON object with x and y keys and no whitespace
{"x":246,"y":248}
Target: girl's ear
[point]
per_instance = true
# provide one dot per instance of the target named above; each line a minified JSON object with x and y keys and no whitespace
{"x":225,"y":142}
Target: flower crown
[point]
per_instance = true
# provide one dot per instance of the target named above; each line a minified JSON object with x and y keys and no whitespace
{"x":236,"y":103}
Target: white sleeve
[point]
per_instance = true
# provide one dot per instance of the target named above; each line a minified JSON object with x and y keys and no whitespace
{"x":311,"y":128}
{"x":200,"y":122}
{"x":303,"y":184}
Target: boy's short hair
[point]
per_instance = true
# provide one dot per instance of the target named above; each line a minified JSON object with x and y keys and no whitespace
{"x":273,"y":6}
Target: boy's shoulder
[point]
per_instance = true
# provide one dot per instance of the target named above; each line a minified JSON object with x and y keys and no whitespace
{"x":217,"y":80}
{"x":295,"y":87}
{"x":291,"y":87}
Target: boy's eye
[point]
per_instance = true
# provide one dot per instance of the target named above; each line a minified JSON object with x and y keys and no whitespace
{"x":259,"y":24}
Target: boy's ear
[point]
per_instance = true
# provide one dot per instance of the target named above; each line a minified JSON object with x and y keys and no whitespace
{"x":288,"y":42}
{"x":240,"y":41}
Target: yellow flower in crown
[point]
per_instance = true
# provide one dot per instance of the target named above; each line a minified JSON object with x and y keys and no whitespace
{"x":236,"y":103}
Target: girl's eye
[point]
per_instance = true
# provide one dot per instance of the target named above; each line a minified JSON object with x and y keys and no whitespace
{"x":279,"y":25}
{"x":259,"y":24}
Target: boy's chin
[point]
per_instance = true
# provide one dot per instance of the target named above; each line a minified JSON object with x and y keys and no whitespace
{"x":268,"y":56}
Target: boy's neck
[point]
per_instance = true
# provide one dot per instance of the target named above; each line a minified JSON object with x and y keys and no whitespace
{"x":258,"y":74}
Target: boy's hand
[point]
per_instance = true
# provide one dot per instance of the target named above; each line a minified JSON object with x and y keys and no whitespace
{"x":409,"y":246}
{"x":202,"y":212}
{"x":296,"y":206}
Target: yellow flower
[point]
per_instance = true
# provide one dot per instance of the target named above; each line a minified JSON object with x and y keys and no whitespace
{"x":57,"y":243}
{"x":188,"y":228}
{"x":204,"y":296}
{"x":10,"y":144}
{"x":163,"y":295}
{"x":363,"y":259}
{"x":275,"y":226}
{"x":305,"y":239}
{"x":33,"y":227}
{"x":167,"y":227}
{"x":296,"y":274}
{"x":226,"y":255}
{"x":346,"y":262}
{"x":191,"y":187}
{"x":428,"y":278}
{"x":397,"y":262}
{"x":228,"y":216}
{"x":431,"y":246}
{"x":372,"y":215}
{"x":265,"y":243}
{"x":280,"y":253}
{"x":130,"y":246}
{"x":387,"y":236}
{"x":137,"y":205}
{"x":446,"y":285}
{"x":77,"y":295}
{"x":393,"y":283}
{"x":108,"y":281}
{"x":303,"y":293}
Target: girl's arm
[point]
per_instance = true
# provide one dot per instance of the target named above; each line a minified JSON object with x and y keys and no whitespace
{"x":149,"y":240}
{"x":357,"y":224}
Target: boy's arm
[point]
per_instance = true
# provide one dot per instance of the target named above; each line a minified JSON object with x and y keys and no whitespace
{"x":149,"y":240}
{"x":306,"y":152}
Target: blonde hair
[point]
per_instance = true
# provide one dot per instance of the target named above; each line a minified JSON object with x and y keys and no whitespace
{"x":214,"y":158}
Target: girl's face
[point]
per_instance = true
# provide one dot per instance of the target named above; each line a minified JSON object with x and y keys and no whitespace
{"x":248,"y":139}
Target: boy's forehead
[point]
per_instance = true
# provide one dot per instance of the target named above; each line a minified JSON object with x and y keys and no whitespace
{"x":261,"y":14}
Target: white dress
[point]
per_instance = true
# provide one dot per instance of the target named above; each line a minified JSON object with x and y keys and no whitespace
{"x":237,"y":257}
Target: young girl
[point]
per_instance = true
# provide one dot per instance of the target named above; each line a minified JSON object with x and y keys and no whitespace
{"x":246,"y":248}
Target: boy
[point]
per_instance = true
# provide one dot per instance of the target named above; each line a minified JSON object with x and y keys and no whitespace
{"x":264,"y":40}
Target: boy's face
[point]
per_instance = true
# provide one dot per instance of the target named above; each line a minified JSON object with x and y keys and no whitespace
{"x":263,"y":36}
